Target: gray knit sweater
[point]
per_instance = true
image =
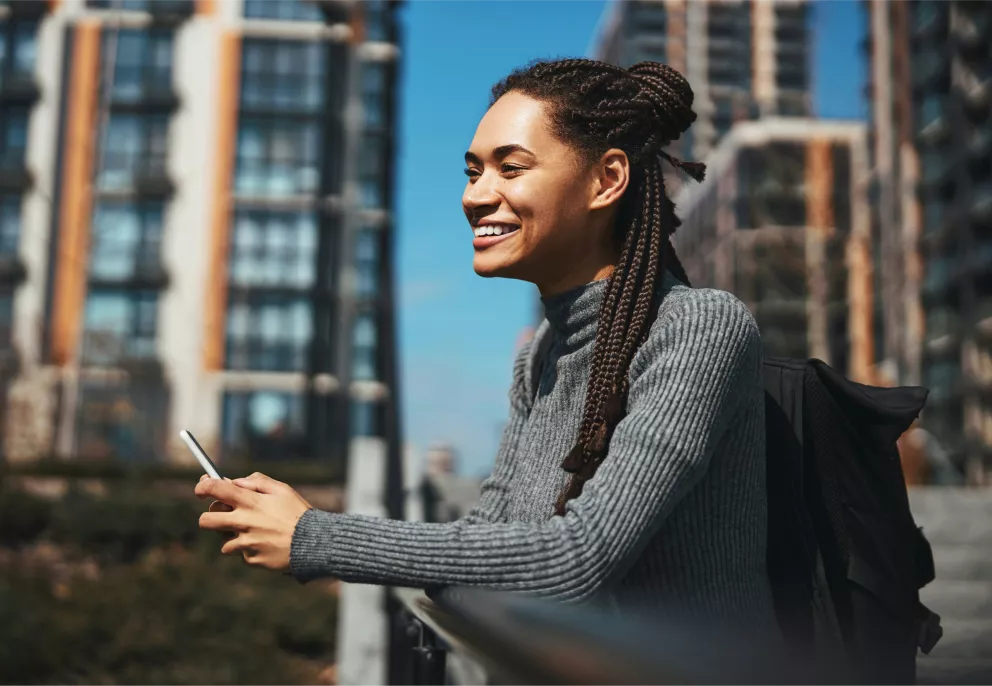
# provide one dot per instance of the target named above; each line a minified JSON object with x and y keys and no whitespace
{"x":675,"y":517}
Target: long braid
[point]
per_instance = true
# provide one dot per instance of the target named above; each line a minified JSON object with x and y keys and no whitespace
{"x":596,"y":106}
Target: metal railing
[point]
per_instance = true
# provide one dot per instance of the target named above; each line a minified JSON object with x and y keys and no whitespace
{"x":512,"y":638}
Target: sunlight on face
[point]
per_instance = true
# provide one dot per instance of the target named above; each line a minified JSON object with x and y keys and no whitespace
{"x":527,"y":197}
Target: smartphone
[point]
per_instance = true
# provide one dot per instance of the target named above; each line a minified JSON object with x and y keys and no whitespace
{"x":199,"y":454}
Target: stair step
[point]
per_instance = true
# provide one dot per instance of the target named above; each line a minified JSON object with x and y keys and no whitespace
{"x":962,"y":563}
{"x":965,"y":639}
{"x":939,"y":670}
{"x":959,"y":600}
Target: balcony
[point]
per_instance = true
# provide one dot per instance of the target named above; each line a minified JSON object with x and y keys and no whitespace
{"x":12,"y":270}
{"x":25,"y":10}
{"x":980,"y":144}
{"x":14,"y":175}
{"x":929,"y":66}
{"x":145,"y":275}
{"x":145,"y":97}
{"x":936,"y":169}
{"x":18,"y":87}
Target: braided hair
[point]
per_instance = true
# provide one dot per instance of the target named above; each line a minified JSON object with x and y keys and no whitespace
{"x":595,"y":106}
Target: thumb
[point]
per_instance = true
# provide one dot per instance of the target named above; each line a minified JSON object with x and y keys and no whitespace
{"x":259,"y":483}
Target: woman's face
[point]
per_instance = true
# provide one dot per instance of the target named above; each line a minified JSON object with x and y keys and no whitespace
{"x":538,"y":211}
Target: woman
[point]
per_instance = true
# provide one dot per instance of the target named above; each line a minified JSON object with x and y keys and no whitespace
{"x":632,"y":469}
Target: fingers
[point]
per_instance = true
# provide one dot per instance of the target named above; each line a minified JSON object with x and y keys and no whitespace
{"x":218,"y":506}
{"x":239,"y":545}
{"x":260,"y":483}
{"x":225,"y":491}
{"x":223,"y":521}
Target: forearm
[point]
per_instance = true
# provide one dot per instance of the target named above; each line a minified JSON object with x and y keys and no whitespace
{"x":550,"y":559}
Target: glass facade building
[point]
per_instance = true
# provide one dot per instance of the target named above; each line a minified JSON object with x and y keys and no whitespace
{"x":217,"y":252}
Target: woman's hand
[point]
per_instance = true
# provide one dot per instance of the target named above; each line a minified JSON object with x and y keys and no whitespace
{"x":261,"y":513}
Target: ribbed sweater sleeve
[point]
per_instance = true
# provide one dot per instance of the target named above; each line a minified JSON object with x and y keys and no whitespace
{"x":701,"y":358}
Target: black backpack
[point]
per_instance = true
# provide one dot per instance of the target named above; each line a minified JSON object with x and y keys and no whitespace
{"x":845,"y":557}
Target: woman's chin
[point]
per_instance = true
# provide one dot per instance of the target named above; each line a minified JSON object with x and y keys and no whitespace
{"x":490,"y":266}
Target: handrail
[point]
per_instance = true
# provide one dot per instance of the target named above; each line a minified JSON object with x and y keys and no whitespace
{"x":520,"y":639}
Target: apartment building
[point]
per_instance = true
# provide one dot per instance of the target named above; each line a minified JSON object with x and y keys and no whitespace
{"x":782,"y":222}
{"x":743,"y":59}
{"x":197,"y":227}
{"x":929,"y":95}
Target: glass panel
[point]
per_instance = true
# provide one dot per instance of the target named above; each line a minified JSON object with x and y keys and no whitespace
{"x":142,"y":63}
{"x":118,"y":325}
{"x":364,"y":348}
{"x":274,"y":249}
{"x":271,"y":333}
{"x":10,"y":225}
{"x":135,"y":146}
{"x":285,"y":10}
{"x":277,"y":158}
{"x":282,"y":75}
{"x":13,"y":137}
{"x":126,"y":241}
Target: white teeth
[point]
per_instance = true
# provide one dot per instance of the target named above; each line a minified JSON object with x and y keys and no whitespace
{"x":492,"y":230}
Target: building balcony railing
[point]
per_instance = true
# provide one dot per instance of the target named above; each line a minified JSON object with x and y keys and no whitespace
{"x":12,"y":270}
{"x":118,"y":350}
{"x":14,"y":176}
{"x":144,"y":275}
{"x":25,"y":10}
{"x":161,"y":11}
{"x":980,"y":144}
{"x":18,"y":87}
{"x":144,"y":97}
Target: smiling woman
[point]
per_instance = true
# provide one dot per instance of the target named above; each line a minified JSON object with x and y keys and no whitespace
{"x":631,"y":471}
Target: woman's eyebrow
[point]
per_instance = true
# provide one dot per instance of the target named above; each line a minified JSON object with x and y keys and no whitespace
{"x":499,"y":153}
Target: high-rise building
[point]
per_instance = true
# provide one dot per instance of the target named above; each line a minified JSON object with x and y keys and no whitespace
{"x":743,"y":59}
{"x":930,"y":115}
{"x":196,"y":230}
{"x":781,"y":221}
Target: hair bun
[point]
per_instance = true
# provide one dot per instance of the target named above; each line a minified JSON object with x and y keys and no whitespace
{"x":669,"y":92}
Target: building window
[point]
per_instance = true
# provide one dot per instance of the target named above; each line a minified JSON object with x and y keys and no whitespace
{"x":18,"y":49}
{"x":366,"y":418}
{"x":372,"y":171}
{"x":119,"y":325}
{"x":374,"y":94}
{"x":285,"y":10}
{"x":142,"y":62}
{"x":277,"y":158}
{"x":283,"y":75}
{"x":134,"y":148}
{"x":274,"y":249}
{"x":648,"y":16}
{"x":126,"y":241}
{"x":263,"y":422}
{"x":269,"y":333}
{"x":376,"y":20}
{"x":6,"y":319}
{"x":13,"y":137}
{"x":364,"y":348}
{"x":367,"y":262}
{"x":10,"y":225}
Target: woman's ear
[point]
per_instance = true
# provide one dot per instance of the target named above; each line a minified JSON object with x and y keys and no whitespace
{"x":611,"y":176}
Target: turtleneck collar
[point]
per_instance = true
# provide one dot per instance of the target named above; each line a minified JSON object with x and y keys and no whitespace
{"x":574,"y":314}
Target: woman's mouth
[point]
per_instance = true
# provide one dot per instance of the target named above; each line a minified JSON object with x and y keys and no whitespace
{"x":491,"y":234}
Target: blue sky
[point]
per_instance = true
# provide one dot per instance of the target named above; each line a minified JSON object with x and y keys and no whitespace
{"x":457,"y":331}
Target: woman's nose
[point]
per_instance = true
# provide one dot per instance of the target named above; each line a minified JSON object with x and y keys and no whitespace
{"x":480,"y":195}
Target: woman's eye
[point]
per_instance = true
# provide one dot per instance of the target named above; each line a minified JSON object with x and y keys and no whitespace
{"x":510,"y":169}
{"x":471,"y":173}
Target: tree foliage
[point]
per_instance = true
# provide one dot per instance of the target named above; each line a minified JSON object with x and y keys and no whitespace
{"x":127,"y":589}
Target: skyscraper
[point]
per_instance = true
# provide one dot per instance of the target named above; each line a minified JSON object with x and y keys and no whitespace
{"x":743,"y":59}
{"x":930,"y":117}
{"x":197,"y":227}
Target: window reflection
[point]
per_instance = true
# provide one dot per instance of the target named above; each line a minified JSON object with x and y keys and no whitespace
{"x":274,"y":249}
{"x":271,"y":333}
{"x":119,"y":325}
{"x":126,"y":241}
{"x":277,"y":158}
